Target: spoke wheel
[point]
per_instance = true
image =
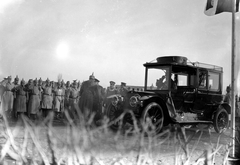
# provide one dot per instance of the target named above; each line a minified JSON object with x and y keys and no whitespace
{"x":153,"y":118}
{"x":220,"y":120}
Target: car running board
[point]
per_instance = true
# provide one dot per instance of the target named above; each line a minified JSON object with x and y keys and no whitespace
{"x":193,"y":122}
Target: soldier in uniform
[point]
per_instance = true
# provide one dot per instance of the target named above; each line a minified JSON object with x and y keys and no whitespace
{"x":47,"y":98}
{"x":73,"y":100}
{"x":7,"y":97}
{"x":21,"y":99}
{"x":34,"y":100}
{"x":227,"y":98}
{"x":16,"y":84}
{"x":66,"y":95}
{"x":123,"y":89}
{"x":58,"y":99}
{"x":111,"y":90}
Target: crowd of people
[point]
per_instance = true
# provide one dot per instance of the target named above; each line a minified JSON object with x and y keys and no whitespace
{"x":38,"y":98}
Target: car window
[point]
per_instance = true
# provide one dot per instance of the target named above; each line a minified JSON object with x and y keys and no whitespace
{"x":158,"y":78}
{"x":213,"y":81}
{"x":182,"y":80}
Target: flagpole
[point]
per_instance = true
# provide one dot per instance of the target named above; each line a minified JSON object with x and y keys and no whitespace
{"x":233,"y":79}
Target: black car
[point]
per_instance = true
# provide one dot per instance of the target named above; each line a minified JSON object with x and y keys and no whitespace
{"x":176,"y":91}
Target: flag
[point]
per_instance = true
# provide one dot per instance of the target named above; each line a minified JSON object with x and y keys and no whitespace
{"x":214,"y":7}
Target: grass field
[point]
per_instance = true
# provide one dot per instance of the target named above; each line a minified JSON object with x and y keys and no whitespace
{"x":45,"y":142}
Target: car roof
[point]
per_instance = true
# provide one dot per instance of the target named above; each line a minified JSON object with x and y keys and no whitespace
{"x":182,"y":61}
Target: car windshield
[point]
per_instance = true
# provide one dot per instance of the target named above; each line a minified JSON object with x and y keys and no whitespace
{"x":158,"y":78}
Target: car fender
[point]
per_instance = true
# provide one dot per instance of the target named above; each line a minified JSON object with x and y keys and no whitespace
{"x":226,"y":106}
{"x":161,"y":102}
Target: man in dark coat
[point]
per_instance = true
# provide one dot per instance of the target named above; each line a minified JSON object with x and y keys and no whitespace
{"x":86,"y":98}
{"x":98,"y":96}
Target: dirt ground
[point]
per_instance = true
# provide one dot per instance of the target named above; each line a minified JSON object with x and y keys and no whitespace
{"x":66,"y":144}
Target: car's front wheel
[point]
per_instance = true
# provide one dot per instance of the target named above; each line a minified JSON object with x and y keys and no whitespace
{"x":220,"y":120}
{"x":153,"y":118}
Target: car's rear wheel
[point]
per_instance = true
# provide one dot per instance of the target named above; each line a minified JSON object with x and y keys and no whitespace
{"x":220,"y":120}
{"x":153,"y":118}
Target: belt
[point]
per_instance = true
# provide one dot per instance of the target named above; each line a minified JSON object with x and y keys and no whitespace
{"x":46,"y":94}
{"x":20,"y":95}
{"x":73,"y":97}
{"x":58,"y":95}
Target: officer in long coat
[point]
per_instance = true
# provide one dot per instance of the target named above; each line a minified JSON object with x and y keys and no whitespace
{"x":21,"y":99}
{"x":7,"y":97}
{"x":98,"y":96}
{"x":34,"y":101}
{"x":16,"y":84}
{"x":47,"y":98}
{"x":86,"y":98}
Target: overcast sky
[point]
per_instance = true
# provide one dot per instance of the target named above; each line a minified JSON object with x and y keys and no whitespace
{"x":112,"y":38}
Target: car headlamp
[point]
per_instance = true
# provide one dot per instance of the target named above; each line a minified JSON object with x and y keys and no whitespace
{"x":134,"y":100}
{"x":115,"y":100}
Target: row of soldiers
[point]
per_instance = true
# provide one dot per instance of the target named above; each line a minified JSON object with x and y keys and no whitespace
{"x":37,"y":97}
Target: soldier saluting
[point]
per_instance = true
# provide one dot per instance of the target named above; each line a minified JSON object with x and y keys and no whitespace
{"x":7,"y":97}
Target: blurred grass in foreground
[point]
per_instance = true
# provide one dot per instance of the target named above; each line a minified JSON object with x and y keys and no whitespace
{"x":83,"y":143}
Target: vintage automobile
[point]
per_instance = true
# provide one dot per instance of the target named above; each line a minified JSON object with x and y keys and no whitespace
{"x":176,"y":91}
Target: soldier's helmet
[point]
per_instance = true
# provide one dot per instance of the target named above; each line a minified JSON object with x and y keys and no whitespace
{"x":35,"y":81}
{"x":40,"y":81}
{"x":16,"y":78}
{"x":91,"y":77}
{"x":123,"y":84}
{"x":112,"y":83}
{"x":74,"y":82}
{"x":23,"y":82}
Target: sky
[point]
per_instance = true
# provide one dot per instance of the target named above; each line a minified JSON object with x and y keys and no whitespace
{"x":110,"y":38}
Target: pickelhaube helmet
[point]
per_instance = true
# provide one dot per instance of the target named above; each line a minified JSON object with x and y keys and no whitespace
{"x":23,"y":82}
{"x":92,"y":77}
{"x":16,"y":78}
{"x":36,"y":80}
{"x":74,"y":82}
{"x":40,"y":80}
